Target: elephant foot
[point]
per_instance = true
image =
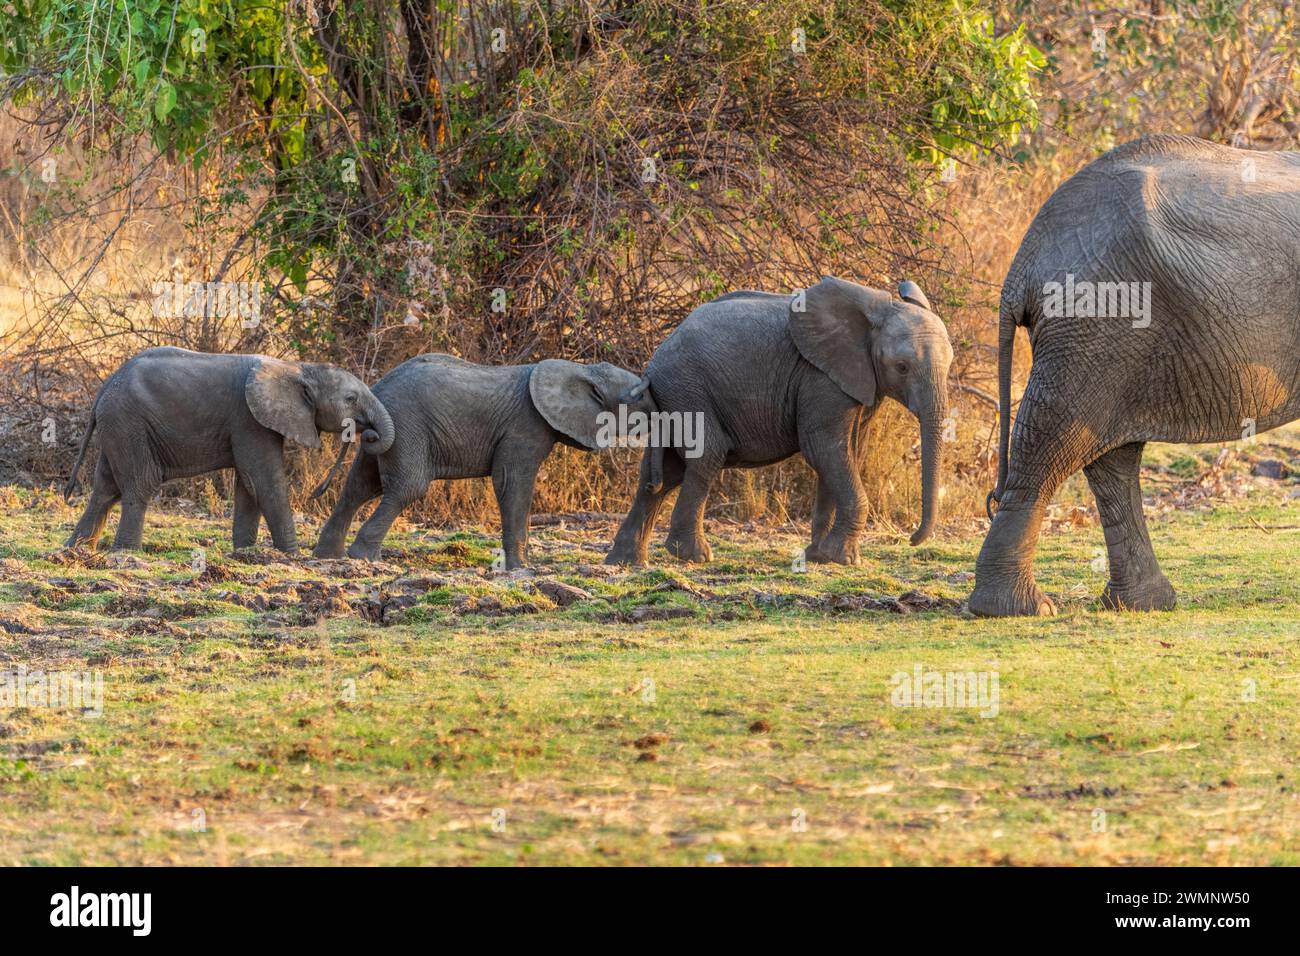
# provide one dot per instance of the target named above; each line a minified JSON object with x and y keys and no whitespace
{"x":328,"y":549}
{"x":827,"y":552}
{"x":364,"y":552}
{"x":1022,"y":599}
{"x":627,"y":557}
{"x":693,"y":550}
{"x":1153,"y":594}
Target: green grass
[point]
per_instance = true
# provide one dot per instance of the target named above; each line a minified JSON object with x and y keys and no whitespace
{"x":736,"y":713}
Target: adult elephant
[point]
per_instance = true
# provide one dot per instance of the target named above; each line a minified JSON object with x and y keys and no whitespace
{"x":172,"y":413}
{"x":1161,"y":289}
{"x":768,"y":376}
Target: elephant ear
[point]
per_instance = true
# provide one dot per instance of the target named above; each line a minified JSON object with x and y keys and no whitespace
{"x":909,"y":291}
{"x":833,"y":332}
{"x":277,"y":397}
{"x":571,"y":396}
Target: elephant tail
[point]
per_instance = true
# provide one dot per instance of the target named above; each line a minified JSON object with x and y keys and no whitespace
{"x":71,"y":486}
{"x":1010,"y":315}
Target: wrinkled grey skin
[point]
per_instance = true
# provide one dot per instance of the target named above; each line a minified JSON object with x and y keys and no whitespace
{"x":456,"y":419}
{"x":772,"y":382}
{"x":1222,"y":349}
{"x":171,"y":413}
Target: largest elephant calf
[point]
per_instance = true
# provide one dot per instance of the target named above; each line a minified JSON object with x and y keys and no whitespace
{"x":1161,"y":290}
{"x":171,"y":413}
{"x":770,"y":376}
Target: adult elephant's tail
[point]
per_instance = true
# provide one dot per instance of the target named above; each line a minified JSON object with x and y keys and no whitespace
{"x":71,"y":486}
{"x":1011,"y":311}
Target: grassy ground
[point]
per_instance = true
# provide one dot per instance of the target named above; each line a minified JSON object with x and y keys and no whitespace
{"x":430,"y":711}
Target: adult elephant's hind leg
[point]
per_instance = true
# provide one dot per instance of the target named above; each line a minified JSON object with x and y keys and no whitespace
{"x":1136,"y":582}
{"x":1048,"y":445}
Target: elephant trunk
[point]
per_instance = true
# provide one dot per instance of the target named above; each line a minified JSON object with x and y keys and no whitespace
{"x":334,"y":470}
{"x":655,"y":479}
{"x":377,"y":442}
{"x":931,"y":418}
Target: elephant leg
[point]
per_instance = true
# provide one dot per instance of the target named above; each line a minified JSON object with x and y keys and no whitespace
{"x":831,"y":456}
{"x":130,"y":526}
{"x":248,"y":517}
{"x":513,"y":483}
{"x":274,"y":503}
{"x":259,"y":462}
{"x":363,"y":485}
{"x":822,"y":516}
{"x":1136,"y":582}
{"x":397,"y":498}
{"x":1048,"y":445}
{"x":632,"y":542}
{"x":686,"y":539}
{"x":138,"y":476}
{"x":104,"y":494}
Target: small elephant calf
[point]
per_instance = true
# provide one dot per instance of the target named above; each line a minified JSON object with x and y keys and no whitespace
{"x":455,"y":419}
{"x":171,"y":413}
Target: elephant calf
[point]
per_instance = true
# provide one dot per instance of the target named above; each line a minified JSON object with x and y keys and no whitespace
{"x":455,"y":419}
{"x":171,"y":413}
{"x":774,"y":375}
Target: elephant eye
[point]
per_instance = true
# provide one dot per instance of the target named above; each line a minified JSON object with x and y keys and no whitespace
{"x":352,"y":399}
{"x":902,"y":368}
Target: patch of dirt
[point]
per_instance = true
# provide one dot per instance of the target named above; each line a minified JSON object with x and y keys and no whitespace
{"x":490,"y":606}
{"x":153,"y":627}
{"x":146,"y":606}
{"x":215,"y":574}
{"x":11,"y":569}
{"x":562,"y":594}
{"x":906,"y":603}
{"x":263,"y":557}
{"x":349,"y":568}
{"x":1234,"y":473}
{"x":20,"y":619}
{"x":1083,"y":791}
{"x":81,"y":558}
{"x":648,"y":612}
{"x":574,"y":518}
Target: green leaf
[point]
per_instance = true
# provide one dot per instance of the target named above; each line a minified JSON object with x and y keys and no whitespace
{"x":165,"y":102}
